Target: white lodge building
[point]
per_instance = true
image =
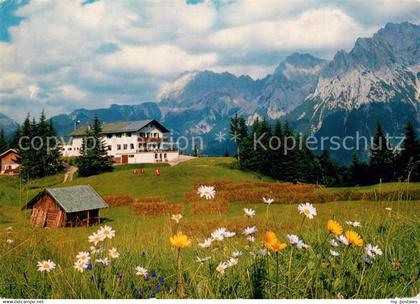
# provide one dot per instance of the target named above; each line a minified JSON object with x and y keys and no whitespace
{"x":131,"y":142}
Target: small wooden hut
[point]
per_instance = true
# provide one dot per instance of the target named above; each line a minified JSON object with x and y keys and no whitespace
{"x":66,"y":207}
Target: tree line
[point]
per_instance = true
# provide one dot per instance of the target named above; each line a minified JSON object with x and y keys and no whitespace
{"x":40,"y":150}
{"x":300,"y":164}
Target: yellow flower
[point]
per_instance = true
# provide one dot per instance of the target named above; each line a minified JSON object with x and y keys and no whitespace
{"x":269,"y":238}
{"x":277,"y":246}
{"x":334,"y":227}
{"x":180,"y":240}
{"x":354,"y":238}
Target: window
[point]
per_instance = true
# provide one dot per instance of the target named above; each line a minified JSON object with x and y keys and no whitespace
{"x":131,"y":146}
{"x":118,"y":147}
{"x":164,"y":155}
{"x":119,"y":135}
{"x":131,"y":156}
{"x":125,"y":146}
{"x":128,"y":134}
{"x":156,"y":155}
{"x":109,"y":136}
{"x":109,"y":148}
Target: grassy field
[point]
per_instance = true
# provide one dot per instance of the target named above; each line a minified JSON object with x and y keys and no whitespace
{"x":144,"y":240}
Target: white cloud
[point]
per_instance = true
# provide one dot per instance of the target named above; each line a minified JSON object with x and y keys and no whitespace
{"x":323,"y":28}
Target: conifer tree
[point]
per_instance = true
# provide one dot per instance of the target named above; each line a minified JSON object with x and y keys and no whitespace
{"x":277,"y":156}
{"x":94,"y":158}
{"x":4,"y":145}
{"x":408,"y":161}
{"x":381,"y":157}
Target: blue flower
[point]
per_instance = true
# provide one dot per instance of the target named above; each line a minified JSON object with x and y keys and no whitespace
{"x":366,"y":260}
{"x":161,"y":280}
{"x":89,"y":267}
{"x":153,"y":274}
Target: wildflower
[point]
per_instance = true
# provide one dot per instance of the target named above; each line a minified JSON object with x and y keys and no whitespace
{"x":268,"y":201}
{"x":113,"y":253}
{"x":342,"y":239}
{"x":232,"y":262}
{"x":334,"y":243}
{"x":206,"y":243}
{"x":229,"y":234}
{"x":202,"y":260}
{"x":277,"y":246}
{"x":308,"y":210}
{"x":250,"y":238}
{"x":367,"y":260}
{"x":10,"y":228}
{"x":263,"y":252}
{"x":103,"y":261}
{"x":236,"y":254}
{"x":95,"y":238}
{"x":250,"y":230}
{"x":354,"y":224}
{"x":176,"y":217}
{"x":180,"y":240}
{"x":141,"y":271}
{"x":334,"y":227}
{"x":293,"y":238}
{"x":334,"y":253}
{"x":221,"y":267}
{"x":80,"y":266}
{"x":219,"y":234}
{"x":46,"y":266}
{"x":353,"y":238}
{"x":269,"y":238}
{"x":94,"y":250}
{"x":206,"y":192}
{"x":107,"y":232}
{"x":373,"y":251}
{"x":83,"y":256}
{"x":9,"y":241}
{"x":302,"y":245}
{"x":249,"y":212}
{"x":388,"y":208}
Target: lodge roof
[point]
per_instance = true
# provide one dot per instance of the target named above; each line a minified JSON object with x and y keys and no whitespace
{"x":8,"y":152}
{"x":72,"y":199}
{"x":121,"y":127}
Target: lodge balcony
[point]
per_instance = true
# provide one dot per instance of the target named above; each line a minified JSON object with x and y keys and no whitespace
{"x":151,"y":139}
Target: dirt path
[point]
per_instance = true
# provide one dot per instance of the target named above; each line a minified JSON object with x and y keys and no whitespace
{"x":70,"y":171}
{"x":180,"y":159}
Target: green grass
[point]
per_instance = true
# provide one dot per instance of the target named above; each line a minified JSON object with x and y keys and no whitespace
{"x":144,"y":240}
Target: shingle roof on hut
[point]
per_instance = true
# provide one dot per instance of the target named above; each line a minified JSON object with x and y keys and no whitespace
{"x":72,"y":199}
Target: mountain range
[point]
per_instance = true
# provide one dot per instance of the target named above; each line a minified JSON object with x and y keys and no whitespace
{"x":378,"y":80}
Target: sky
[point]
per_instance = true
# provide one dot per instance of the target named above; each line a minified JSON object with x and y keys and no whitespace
{"x":63,"y":55}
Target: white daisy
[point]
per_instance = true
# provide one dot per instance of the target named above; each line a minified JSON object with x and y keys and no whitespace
{"x":302,"y":245}
{"x":206,"y":243}
{"x":232,"y":262}
{"x":249,"y":212}
{"x":372,"y":251}
{"x":334,"y":243}
{"x":263,"y":252}
{"x":46,"y":266}
{"x":308,"y":210}
{"x":354,"y":224}
{"x":334,"y":253}
{"x":83,"y":256}
{"x":141,"y":271}
{"x":229,"y":234}
{"x":221,"y":267}
{"x":293,"y":238}
{"x":103,"y":261}
{"x":80,"y":265}
{"x":218,"y":234}
{"x":202,"y":260}
{"x":94,"y":250}
{"x":206,"y":192}
{"x":176,"y":217}
{"x":388,"y":208}
{"x":342,"y":239}
{"x":95,"y":238}
{"x":107,"y":232}
{"x":113,"y":253}
{"x":237,"y":254}
{"x":9,"y":241}
{"x":268,"y":201}
{"x":250,"y":230}
{"x":250,"y":238}
{"x":10,"y":228}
